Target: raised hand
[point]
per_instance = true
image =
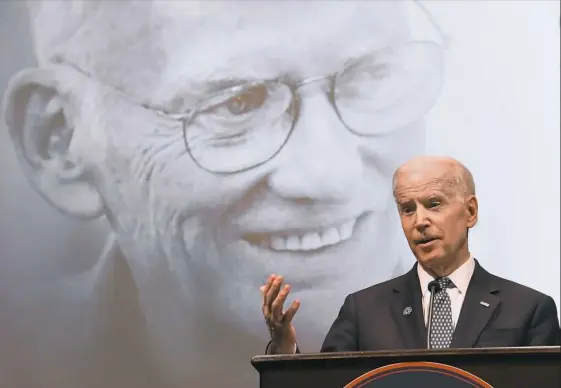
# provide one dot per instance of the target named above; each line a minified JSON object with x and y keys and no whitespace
{"x":283,"y":334}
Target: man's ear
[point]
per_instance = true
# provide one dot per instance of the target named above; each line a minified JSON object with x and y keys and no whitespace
{"x":472,"y":208}
{"x":40,"y":121}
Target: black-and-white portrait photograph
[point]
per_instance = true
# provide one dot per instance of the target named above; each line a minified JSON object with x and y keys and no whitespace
{"x":160,"y":159}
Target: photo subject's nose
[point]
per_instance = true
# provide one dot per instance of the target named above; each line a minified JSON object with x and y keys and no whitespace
{"x":321,"y":160}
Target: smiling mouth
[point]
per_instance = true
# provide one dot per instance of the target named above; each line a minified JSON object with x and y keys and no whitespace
{"x":306,"y":241}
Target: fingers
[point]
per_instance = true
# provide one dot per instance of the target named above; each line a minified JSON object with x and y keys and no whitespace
{"x":265,"y":288}
{"x":291,"y":311}
{"x":278,"y":302}
{"x":273,"y":290}
{"x":268,"y":293}
{"x":274,"y":297}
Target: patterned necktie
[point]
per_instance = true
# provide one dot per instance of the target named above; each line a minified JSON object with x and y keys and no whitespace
{"x":442,"y":325}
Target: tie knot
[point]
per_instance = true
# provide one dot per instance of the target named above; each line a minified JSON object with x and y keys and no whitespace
{"x":445,"y":283}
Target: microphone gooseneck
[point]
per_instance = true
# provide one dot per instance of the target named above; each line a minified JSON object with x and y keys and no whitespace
{"x":433,"y":287}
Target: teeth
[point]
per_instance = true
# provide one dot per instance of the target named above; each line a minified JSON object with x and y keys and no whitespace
{"x":292,"y":243}
{"x":313,"y":240}
{"x":278,"y":243}
{"x":330,"y":236}
{"x":310,"y":241}
{"x":346,"y":230}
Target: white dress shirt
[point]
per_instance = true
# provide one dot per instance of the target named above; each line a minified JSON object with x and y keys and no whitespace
{"x":460,"y":277}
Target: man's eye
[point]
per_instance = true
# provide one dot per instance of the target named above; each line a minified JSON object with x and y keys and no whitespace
{"x":251,"y":99}
{"x":434,"y":204}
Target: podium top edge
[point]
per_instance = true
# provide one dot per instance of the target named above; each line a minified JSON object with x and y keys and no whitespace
{"x":528,"y":350}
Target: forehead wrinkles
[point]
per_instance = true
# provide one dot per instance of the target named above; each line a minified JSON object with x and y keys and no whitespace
{"x":155,"y":48}
{"x":444,"y":184}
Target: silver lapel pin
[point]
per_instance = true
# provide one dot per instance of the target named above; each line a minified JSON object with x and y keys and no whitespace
{"x":484,"y":304}
{"x":407,"y":310}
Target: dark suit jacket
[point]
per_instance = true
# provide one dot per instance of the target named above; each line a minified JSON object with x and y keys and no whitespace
{"x":374,"y":319}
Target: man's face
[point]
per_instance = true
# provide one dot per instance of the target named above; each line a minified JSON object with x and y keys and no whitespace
{"x":287,"y":177}
{"x":435,"y":215}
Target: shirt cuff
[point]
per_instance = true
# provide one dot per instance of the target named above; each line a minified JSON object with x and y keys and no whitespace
{"x":269,"y":346}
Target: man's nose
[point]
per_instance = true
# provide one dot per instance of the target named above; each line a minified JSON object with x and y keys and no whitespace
{"x":320,"y":161}
{"x":422,"y":221}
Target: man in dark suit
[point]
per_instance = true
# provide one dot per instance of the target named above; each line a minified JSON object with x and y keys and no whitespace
{"x":437,"y":205}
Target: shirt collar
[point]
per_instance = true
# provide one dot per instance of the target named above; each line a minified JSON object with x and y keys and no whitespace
{"x":460,"y":277}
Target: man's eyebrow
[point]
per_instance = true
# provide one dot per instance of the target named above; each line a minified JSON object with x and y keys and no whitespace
{"x":213,"y":85}
{"x":436,"y":193}
{"x":187,"y":95}
{"x":403,"y":201}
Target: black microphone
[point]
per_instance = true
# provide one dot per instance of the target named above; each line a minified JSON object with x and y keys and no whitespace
{"x":434,"y":287}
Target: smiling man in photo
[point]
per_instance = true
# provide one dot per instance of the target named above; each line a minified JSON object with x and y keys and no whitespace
{"x":222,"y":146}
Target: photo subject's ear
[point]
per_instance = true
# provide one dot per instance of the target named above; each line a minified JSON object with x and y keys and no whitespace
{"x":40,"y":123}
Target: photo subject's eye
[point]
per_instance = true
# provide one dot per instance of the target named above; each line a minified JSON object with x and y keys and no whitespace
{"x":247,"y":102}
{"x":393,"y":88}
{"x":251,"y":99}
{"x":240,"y":126}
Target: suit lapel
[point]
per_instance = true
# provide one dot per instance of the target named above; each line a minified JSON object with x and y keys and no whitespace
{"x":480,"y":303}
{"x":407,"y":310}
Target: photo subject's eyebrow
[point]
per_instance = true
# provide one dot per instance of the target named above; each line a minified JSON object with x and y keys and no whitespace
{"x":227,"y":82}
{"x":185,"y":95}
{"x":195,"y":90}
{"x":224,"y":83}
{"x":193,"y":93}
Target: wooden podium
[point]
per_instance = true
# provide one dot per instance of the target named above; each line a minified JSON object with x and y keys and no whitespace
{"x":528,"y":367}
